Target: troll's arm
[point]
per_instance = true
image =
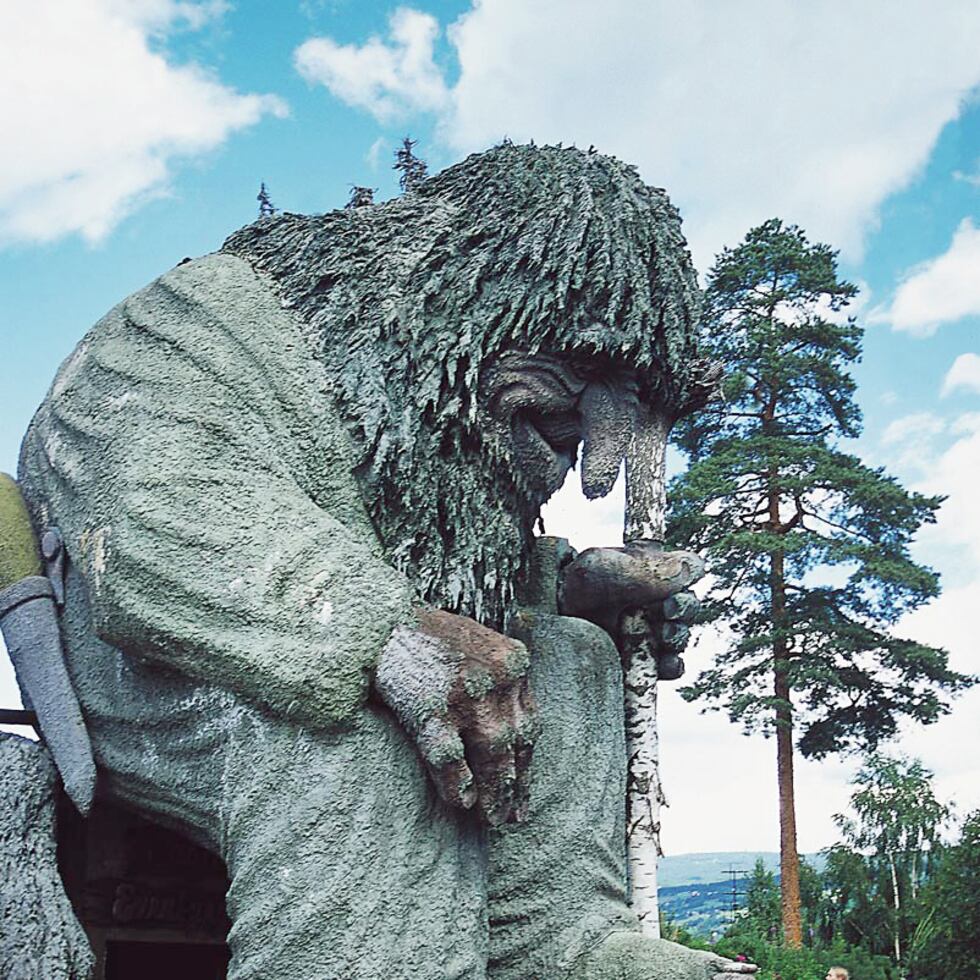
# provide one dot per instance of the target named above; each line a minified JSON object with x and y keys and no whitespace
{"x":188,"y":455}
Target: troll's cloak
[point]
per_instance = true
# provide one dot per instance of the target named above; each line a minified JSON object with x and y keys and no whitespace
{"x":190,"y":457}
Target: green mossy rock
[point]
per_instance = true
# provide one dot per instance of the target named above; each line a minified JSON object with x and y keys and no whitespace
{"x":18,"y":546}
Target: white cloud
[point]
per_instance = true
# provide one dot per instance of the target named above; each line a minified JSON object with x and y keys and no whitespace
{"x":942,"y":457}
{"x":159,"y":15}
{"x":948,"y":622}
{"x":373,"y":155}
{"x":942,"y":290}
{"x":912,"y":439}
{"x":912,"y":427}
{"x":965,"y":373}
{"x":387,"y":79}
{"x":742,"y":111}
{"x":586,"y":523}
{"x":955,"y":472}
{"x":973,"y":179}
{"x":814,"y":112}
{"x":94,"y":116}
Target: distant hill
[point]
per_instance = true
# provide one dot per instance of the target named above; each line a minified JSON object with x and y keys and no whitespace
{"x":696,"y":889}
{"x":689,"y":869}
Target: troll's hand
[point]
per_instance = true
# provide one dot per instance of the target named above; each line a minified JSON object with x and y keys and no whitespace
{"x":643,"y":587}
{"x":461,"y":692}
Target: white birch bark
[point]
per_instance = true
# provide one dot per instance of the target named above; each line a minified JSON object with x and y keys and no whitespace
{"x":646,"y":480}
{"x":898,"y":908}
{"x":646,"y":506}
{"x":644,"y":792}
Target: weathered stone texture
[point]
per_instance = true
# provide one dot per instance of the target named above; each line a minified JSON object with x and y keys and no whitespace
{"x":40,"y":938}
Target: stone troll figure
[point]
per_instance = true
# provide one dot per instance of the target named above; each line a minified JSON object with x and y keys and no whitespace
{"x":305,"y":614}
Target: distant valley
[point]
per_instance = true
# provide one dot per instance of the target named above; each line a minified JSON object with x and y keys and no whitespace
{"x":696,"y":889}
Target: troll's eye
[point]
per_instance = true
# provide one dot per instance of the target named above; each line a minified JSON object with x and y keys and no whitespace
{"x":561,"y":430}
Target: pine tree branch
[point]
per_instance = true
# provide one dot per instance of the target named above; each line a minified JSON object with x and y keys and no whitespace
{"x":841,"y":527}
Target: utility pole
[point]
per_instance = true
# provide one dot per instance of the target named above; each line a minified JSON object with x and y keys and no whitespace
{"x":733,"y":874}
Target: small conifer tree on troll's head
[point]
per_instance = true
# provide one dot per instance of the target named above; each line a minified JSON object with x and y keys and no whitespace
{"x":360,"y":197}
{"x":266,"y":207}
{"x":808,"y":548}
{"x":413,"y":169}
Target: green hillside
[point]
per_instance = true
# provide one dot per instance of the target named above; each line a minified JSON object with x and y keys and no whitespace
{"x":696,"y":889}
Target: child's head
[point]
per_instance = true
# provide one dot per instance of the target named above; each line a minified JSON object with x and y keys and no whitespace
{"x":837,"y":973}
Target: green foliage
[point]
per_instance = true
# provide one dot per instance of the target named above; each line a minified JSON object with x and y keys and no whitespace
{"x":744,"y":940}
{"x":811,"y":897}
{"x":946,"y":946}
{"x":18,"y":545}
{"x":897,"y":818}
{"x":854,"y":908}
{"x":792,"y":964}
{"x":778,"y":505}
{"x":898,"y":814}
{"x":762,"y":901}
{"x":859,"y":962}
{"x":849,"y":911}
{"x":677,"y":933}
{"x":762,"y":912}
{"x":777,"y":961}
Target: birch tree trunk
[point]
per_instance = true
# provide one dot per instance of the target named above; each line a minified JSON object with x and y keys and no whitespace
{"x":646,"y":480}
{"x":644,"y":791}
{"x":898,"y":908}
{"x":646,"y":506}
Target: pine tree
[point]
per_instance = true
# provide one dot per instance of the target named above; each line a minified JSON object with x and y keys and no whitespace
{"x":266,"y":207}
{"x":779,"y":508}
{"x":360,"y":197}
{"x":413,"y":169}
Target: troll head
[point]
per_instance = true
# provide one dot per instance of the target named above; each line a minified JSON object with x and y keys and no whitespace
{"x":475,"y":333}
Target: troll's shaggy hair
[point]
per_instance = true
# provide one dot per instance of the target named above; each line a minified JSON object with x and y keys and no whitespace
{"x":521,"y":247}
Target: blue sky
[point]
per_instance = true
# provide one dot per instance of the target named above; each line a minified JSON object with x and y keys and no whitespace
{"x":138,"y":132}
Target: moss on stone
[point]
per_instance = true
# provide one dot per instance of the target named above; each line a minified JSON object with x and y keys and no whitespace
{"x":18,"y":546}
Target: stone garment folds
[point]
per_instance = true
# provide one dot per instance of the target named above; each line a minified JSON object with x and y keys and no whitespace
{"x":189,"y":455}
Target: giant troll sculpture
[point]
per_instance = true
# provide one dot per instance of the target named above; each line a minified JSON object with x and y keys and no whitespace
{"x":305,"y":614}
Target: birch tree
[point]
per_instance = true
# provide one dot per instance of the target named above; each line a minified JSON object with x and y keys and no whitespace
{"x":645,"y":521}
{"x":649,"y":648}
{"x":897,"y":817}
